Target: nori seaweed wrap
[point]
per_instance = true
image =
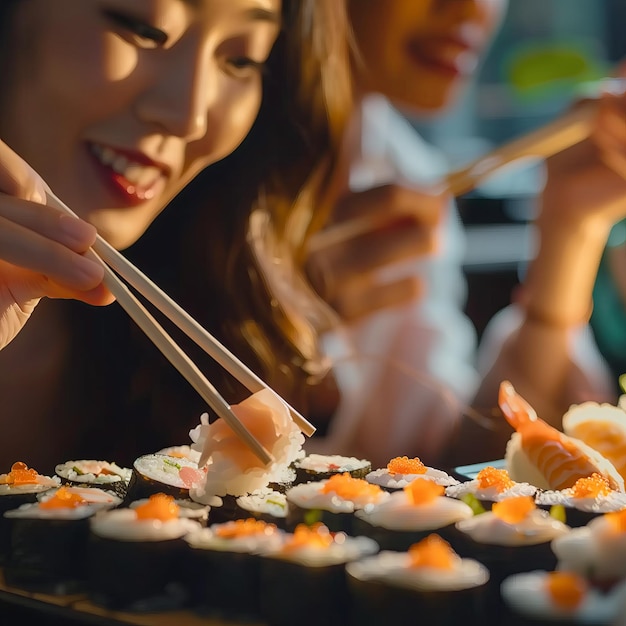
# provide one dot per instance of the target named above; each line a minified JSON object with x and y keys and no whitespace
{"x":222,"y":567}
{"x":306,"y":577}
{"x":428,"y":584}
{"x":134,"y":556}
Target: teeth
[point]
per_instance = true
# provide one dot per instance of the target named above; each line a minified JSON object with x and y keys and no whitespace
{"x":135,"y":173}
{"x":120,"y":164}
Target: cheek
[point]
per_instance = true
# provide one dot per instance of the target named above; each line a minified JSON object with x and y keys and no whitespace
{"x":228,"y":124}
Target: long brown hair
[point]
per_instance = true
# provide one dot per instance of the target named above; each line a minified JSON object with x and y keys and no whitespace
{"x":249,"y":216}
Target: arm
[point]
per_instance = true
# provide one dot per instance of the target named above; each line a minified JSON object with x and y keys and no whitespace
{"x":585,"y":194}
{"x":405,"y":370}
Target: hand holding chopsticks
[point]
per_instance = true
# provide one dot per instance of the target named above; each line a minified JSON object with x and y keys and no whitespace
{"x":550,"y":139}
{"x":111,"y":258}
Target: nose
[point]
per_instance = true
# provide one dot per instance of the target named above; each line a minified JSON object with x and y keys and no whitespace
{"x":178,"y":97}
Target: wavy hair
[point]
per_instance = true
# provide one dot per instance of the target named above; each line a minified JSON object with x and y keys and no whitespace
{"x":248,"y":217}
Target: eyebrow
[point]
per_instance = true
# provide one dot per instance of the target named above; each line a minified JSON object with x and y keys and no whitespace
{"x":265,"y":15}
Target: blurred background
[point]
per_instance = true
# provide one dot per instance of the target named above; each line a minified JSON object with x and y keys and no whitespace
{"x":544,"y":57}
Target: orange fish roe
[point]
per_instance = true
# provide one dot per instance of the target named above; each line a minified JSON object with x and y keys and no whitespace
{"x":566,"y":589}
{"x":492,"y":477}
{"x":423,"y":491}
{"x":350,"y":488}
{"x":591,"y":487}
{"x":514,"y":510}
{"x":617,"y":520}
{"x":63,"y":498}
{"x":20,"y":474}
{"x":245,"y":528}
{"x":160,"y":507}
{"x":433,"y":551}
{"x":404,"y":465}
{"x":316,"y":536}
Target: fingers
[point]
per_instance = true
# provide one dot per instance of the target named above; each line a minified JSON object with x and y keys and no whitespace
{"x":18,"y":179}
{"x":30,"y":250}
{"x":39,"y":238}
{"x":393,"y":201}
{"x":361,"y":299}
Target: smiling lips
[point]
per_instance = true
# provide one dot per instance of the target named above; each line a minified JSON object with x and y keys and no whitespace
{"x":131,"y":175}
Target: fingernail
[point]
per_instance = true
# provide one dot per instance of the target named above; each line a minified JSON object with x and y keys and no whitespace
{"x":79,"y":231}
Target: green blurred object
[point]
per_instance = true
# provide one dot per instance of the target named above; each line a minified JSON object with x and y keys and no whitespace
{"x":545,"y":69}
{"x":474,"y":503}
{"x":622,"y":382}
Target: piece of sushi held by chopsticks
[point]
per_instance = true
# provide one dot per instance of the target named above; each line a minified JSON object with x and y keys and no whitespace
{"x":229,"y":466}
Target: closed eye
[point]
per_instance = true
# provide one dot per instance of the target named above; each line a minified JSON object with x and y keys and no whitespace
{"x":241,"y":65}
{"x":141,"y":32}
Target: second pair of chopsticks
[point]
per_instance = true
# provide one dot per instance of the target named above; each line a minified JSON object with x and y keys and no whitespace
{"x":111,"y":260}
{"x":550,"y":139}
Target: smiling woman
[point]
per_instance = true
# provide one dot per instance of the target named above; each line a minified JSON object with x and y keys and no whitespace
{"x":157,"y":90}
{"x":118,"y":104}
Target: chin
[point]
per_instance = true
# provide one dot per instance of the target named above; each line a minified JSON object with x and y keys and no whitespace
{"x":424,"y":103}
{"x":112,"y":229}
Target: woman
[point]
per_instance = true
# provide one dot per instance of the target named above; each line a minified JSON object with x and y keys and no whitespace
{"x":403,"y":352}
{"x":398,"y":288}
{"x":117,"y":105}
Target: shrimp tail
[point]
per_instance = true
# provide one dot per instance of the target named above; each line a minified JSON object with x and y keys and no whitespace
{"x":515,"y":409}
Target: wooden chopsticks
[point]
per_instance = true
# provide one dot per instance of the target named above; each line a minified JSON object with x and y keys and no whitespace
{"x":550,"y":139}
{"x":109,"y":257}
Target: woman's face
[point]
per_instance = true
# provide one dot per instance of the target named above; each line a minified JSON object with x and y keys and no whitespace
{"x":419,"y":53}
{"x":116,"y":102}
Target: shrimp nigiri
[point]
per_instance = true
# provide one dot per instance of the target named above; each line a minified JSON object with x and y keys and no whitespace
{"x":541,"y":455}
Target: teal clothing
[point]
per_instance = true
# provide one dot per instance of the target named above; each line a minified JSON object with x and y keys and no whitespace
{"x":608,"y":320}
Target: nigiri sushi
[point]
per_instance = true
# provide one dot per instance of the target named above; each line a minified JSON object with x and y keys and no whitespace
{"x":545,"y":457}
{"x":601,"y":426}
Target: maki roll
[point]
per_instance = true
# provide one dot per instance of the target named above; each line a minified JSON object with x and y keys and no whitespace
{"x":87,"y":473}
{"x":323,"y":466}
{"x":181,"y":452}
{"x":161,"y":473}
{"x":187,"y":509}
{"x":515,"y":536}
{"x":586,"y":499}
{"x":332,"y":501}
{"x":222,"y":566}
{"x":541,"y":598}
{"x":306,"y":577}
{"x":91,"y":495}
{"x":490,"y":485}
{"x":148,"y":541}
{"x":401,"y":470}
{"x":596,"y":551}
{"x":48,"y":543}
{"x":409,"y":515}
{"x":428,"y":580}
{"x":266,"y":505}
{"x":19,"y":486}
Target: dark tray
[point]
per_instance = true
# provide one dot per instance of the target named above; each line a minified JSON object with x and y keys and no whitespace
{"x":77,"y":610}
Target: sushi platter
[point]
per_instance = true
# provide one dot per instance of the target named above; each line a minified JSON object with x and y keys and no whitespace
{"x":177,"y":539}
